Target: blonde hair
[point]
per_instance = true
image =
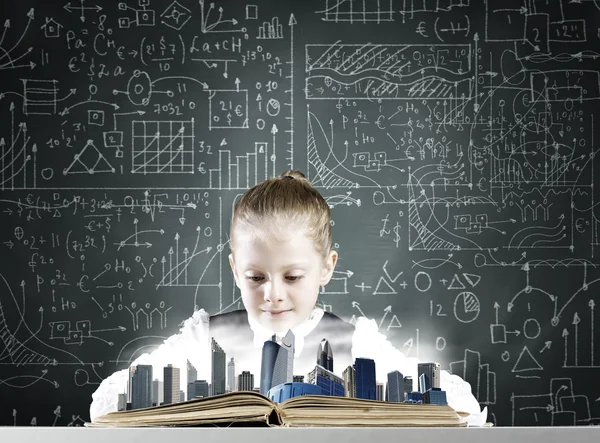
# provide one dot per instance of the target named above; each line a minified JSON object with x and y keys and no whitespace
{"x":290,"y":199}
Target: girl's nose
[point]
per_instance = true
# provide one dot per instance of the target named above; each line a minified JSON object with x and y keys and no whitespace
{"x":274,"y":292}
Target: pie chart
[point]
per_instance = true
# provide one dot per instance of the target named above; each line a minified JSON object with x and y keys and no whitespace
{"x":466,"y":307}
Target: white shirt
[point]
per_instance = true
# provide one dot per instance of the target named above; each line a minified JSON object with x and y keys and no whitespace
{"x":192,"y":344}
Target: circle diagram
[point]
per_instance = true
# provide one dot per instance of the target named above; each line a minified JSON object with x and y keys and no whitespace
{"x":466,"y":307}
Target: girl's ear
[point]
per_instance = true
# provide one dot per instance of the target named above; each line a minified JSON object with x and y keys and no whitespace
{"x":327,"y":271}
{"x":232,"y":264}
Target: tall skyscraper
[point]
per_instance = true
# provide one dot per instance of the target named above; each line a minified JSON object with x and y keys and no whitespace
{"x":325,"y":355}
{"x":277,"y":365}
{"x":197,"y":388}
{"x":365,"y":378}
{"x":218,"y":368}
{"x":395,"y":386}
{"x":289,"y":343}
{"x":157,"y":392}
{"x":408,"y":384}
{"x":141,"y":383}
{"x":380,"y":394}
{"x":192,"y":374}
{"x":231,"y":376}
{"x":432,"y":371}
{"x":181,"y":396}
{"x":329,"y":383}
{"x":171,"y":382}
{"x":245,"y":381}
{"x":349,"y":376}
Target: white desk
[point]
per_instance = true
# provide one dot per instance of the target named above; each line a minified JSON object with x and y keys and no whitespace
{"x":290,"y":435}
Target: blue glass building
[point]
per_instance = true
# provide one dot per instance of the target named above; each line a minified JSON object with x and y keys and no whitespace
{"x":327,"y":381}
{"x":277,"y":363}
{"x":414,"y":397}
{"x":435,"y":396}
{"x":424,"y":383}
{"x":366,"y":385}
{"x":284,"y":391}
{"x":395,"y":387}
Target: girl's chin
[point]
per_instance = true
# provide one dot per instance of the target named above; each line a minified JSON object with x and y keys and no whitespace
{"x":283,"y":320}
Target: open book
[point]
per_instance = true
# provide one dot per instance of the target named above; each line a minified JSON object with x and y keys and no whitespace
{"x":248,"y":408}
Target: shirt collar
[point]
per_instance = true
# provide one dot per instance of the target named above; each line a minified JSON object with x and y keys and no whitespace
{"x":262,"y":334}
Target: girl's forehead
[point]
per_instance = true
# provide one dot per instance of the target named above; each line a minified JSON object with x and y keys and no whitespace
{"x":276,"y":230}
{"x":271,"y":234}
{"x":276,"y":246}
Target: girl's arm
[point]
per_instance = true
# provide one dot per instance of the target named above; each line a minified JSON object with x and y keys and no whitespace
{"x":191,"y":343}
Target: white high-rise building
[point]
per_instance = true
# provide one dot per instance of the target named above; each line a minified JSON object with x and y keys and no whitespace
{"x":231,"y":376}
{"x":122,"y":402}
{"x":129,"y":383}
{"x":380,"y":392}
{"x":218,"y":369}
{"x":192,"y":374}
{"x":157,"y":392}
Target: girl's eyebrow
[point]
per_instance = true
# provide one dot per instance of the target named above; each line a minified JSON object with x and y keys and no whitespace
{"x":299,"y":265}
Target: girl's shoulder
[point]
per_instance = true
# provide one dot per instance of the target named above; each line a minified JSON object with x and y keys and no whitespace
{"x":229,"y":320}
{"x":231,"y":330}
{"x":333,"y":320}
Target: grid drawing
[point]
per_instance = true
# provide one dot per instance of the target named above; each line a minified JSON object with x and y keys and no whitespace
{"x":163,"y":147}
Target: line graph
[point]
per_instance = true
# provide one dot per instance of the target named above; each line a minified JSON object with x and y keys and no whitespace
{"x":161,"y":147}
{"x":357,"y":11}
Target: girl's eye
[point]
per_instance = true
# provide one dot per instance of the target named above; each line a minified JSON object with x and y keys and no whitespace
{"x":258,"y":279}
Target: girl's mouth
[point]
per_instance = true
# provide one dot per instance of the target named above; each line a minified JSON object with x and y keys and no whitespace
{"x":276,"y":313}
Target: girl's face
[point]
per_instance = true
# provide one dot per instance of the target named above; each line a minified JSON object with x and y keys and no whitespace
{"x":279,"y":280}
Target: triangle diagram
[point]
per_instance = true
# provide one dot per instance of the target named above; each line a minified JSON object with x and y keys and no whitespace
{"x":89,"y":161}
{"x":472,"y":279}
{"x":393,"y":280}
{"x":394,"y":323}
{"x":383,"y":288}
{"x":526,"y":362}
{"x":456,"y":283}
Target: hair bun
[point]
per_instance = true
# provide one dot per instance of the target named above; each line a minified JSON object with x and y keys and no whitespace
{"x":292,"y":174}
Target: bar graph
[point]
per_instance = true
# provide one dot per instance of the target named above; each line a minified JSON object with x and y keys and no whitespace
{"x":243,"y":171}
{"x":482,"y":380}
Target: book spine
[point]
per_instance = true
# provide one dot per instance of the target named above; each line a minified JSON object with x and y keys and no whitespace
{"x":274,"y":418}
